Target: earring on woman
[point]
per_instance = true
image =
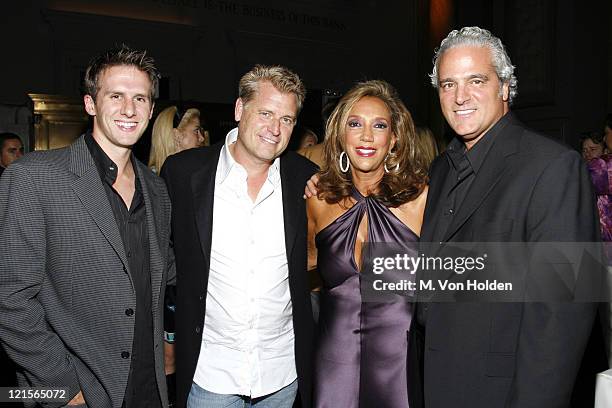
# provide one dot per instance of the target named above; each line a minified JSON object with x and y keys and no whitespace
{"x":385,"y":165}
{"x":343,"y":168}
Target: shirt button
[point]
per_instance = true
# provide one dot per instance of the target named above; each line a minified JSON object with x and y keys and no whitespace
{"x":198,"y":329}
{"x":129,"y":254}
{"x":201,"y":297}
{"x":125,"y":354}
{"x":129,"y":312}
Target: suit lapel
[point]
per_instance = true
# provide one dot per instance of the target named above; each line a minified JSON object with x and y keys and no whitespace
{"x":156,"y":264}
{"x":434,"y":198}
{"x":90,"y":191}
{"x":291,"y":208}
{"x":493,"y":168}
{"x":203,"y":189}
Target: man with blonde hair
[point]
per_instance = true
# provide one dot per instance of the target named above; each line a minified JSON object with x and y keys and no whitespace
{"x":244,"y":326}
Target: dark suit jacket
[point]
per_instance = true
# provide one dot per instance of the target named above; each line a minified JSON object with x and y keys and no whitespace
{"x":190,"y":177}
{"x":65,"y":283}
{"x":528,"y":189}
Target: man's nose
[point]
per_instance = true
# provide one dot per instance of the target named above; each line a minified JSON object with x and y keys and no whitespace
{"x":461,"y":94}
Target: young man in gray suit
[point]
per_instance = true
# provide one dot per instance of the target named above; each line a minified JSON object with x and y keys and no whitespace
{"x":87,"y":227}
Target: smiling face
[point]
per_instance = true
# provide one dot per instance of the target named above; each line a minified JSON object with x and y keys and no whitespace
{"x":368,"y":137}
{"x":122,"y":108}
{"x":469,"y":92}
{"x":265,"y":127}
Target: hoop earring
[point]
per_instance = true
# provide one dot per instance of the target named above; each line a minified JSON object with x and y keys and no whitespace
{"x":385,"y":166}
{"x":343,"y":168}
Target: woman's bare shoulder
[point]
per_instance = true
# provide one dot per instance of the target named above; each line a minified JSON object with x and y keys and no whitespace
{"x":323,"y":213}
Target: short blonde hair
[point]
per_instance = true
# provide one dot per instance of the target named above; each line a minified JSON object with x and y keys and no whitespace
{"x":282,"y":78}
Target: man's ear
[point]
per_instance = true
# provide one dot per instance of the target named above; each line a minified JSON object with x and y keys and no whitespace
{"x":238,"y":109}
{"x":90,"y":105}
{"x":506,"y":92}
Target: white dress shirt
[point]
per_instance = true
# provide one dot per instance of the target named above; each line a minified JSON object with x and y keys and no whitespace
{"x":248,"y":339}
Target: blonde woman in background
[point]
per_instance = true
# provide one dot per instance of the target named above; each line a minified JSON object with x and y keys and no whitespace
{"x":426,"y":145}
{"x":173,"y":132}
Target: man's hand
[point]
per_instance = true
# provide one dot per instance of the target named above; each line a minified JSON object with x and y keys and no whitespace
{"x":77,"y":400}
{"x":311,"y":186}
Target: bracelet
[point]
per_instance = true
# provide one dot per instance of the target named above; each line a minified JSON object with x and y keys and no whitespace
{"x":168,"y":337}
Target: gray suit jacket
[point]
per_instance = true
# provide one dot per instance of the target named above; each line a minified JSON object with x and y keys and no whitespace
{"x":65,"y":282}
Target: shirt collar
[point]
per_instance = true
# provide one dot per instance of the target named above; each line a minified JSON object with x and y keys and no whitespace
{"x":478,"y":152}
{"x":227,"y":164}
{"x":106,"y":167}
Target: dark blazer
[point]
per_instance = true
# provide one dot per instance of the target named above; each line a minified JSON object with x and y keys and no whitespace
{"x":190,"y":177}
{"x":528,"y":189}
{"x":65,"y":283}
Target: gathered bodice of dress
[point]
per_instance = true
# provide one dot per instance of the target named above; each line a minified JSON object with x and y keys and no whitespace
{"x":362,"y":347}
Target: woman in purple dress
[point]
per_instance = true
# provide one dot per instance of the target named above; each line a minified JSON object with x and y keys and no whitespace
{"x":372,"y":189}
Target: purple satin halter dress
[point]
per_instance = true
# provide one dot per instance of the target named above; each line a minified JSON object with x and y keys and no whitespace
{"x":362,"y":346}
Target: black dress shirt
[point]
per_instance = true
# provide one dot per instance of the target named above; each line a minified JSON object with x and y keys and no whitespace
{"x":464,"y":165}
{"x":141,"y":388}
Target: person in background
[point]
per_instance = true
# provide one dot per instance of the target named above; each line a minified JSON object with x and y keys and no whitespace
{"x":592,"y":145}
{"x":173,"y":132}
{"x":314,"y":153}
{"x":308,"y":146}
{"x":608,"y":133}
{"x":11,"y":148}
{"x":307,"y":138}
{"x":600,"y":169}
{"x":426,"y":145}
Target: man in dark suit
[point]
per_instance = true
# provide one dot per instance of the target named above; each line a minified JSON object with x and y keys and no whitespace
{"x":244,"y":326}
{"x":87,"y":228}
{"x":499,"y":182}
